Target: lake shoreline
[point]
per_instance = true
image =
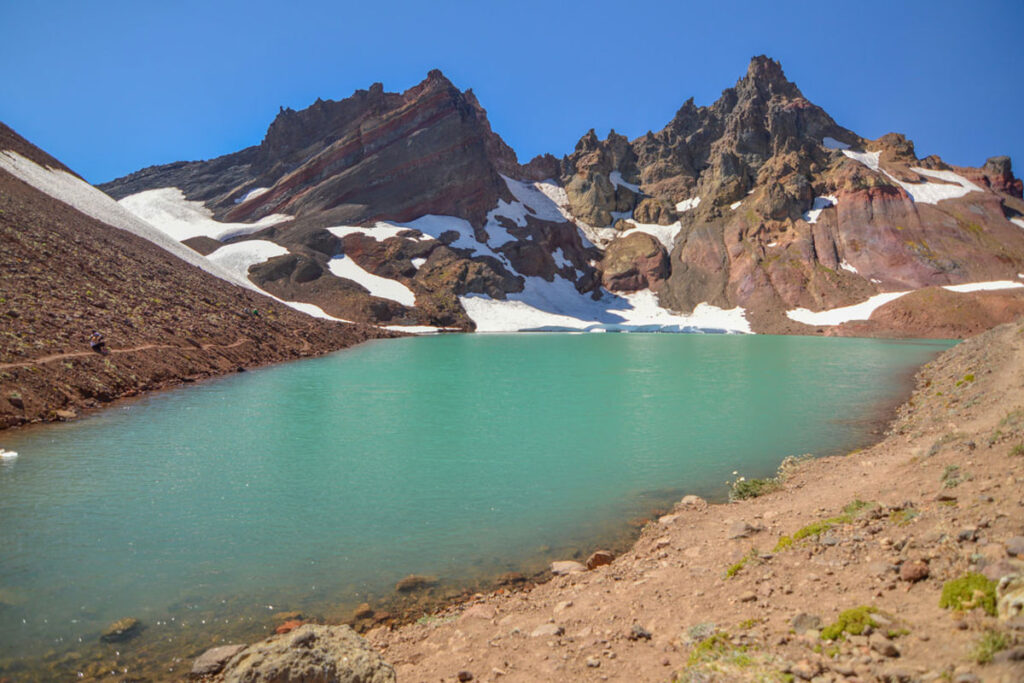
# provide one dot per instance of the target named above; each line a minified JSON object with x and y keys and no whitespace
{"x":909,"y":527}
{"x":409,"y":611}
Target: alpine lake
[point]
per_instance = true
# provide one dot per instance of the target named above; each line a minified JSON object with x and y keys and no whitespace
{"x":208,"y":512}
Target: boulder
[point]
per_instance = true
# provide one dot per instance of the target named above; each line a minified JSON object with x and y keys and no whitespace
{"x":312,"y":654}
{"x":914,"y":570}
{"x":214,"y":659}
{"x":637,"y":261}
{"x":599,"y":558}
{"x":364,"y":611}
{"x":1015,"y":546}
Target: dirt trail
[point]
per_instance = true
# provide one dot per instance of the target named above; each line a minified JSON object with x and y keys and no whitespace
{"x":145,"y":347}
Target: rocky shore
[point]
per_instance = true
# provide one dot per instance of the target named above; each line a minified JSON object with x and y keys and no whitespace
{"x":900,"y":562}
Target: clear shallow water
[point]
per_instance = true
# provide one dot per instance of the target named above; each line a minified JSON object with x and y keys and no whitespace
{"x":323,"y":482}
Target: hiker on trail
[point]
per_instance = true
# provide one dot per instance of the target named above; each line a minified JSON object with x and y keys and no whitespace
{"x":97,"y":343}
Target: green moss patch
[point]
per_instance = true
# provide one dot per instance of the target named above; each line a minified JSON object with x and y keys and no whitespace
{"x":851,"y":622}
{"x":968,"y":592}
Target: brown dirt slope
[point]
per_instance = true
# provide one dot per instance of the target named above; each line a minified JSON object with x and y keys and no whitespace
{"x":713,"y":593}
{"x":65,"y":274}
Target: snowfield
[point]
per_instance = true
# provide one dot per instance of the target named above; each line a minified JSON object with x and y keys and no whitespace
{"x":557,"y":306}
{"x":168,"y":210}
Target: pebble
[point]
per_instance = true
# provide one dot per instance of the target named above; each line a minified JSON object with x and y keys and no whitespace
{"x":593,"y":662}
{"x":465,"y":675}
{"x":749,"y":596}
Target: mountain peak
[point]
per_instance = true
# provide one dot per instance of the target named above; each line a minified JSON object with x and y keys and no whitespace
{"x":765,"y":76}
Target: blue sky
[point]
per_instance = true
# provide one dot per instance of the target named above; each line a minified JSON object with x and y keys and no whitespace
{"x":114,"y":86}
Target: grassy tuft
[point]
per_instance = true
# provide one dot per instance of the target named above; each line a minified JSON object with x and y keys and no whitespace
{"x":988,"y":645}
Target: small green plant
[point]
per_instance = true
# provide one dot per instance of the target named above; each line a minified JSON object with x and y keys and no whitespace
{"x":988,"y":645}
{"x":749,"y":623}
{"x":744,"y":488}
{"x":857,"y":506}
{"x":735,"y":569}
{"x":785,"y":543}
{"x":897,"y":633}
{"x":904,"y":516}
{"x":951,"y":476}
{"x":1017,"y":450}
{"x":853,"y":621}
{"x":969,"y":592}
{"x":713,"y":647}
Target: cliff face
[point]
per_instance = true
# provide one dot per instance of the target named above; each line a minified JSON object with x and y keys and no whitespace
{"x":759,"y":201}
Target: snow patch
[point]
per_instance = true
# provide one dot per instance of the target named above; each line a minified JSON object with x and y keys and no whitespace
{"x":379,"y":232}
{"x":837,"y":316}
{"x":557,"y":306}
{"x":1019,"y":222}
{"x":819,"y":205}
{"x":617,"y":181}
{"x":666,"y":234}
{"x":735,"y":205}
{"x":169,"y":211}
{"x":922,"y":193}
{"x":382,"y":287}
{"x":560,"y":260}
{"x":545,"y":200}
{"x":832,"y":143}
{"x":863,"y":310}
{"x":846,"y":266}
{"x":984,"y":286}
{"x":240,"y":256}
{"x":418,"y":262}
{"x":252,"y":194}
{"x":687,"y":204}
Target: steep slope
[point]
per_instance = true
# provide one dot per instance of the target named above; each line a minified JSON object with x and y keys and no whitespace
{"x":166,"y":321}
{"x":406,"y":208}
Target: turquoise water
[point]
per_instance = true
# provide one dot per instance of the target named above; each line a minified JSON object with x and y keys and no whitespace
{"x":317,"y":484}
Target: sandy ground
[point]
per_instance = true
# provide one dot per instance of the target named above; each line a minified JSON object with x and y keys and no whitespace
{"x":647,"y":615}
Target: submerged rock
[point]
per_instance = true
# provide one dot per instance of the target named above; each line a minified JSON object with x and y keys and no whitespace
{"x":415,"y":582}
{"x":312,"y":654}
{"x":122,"y":630}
